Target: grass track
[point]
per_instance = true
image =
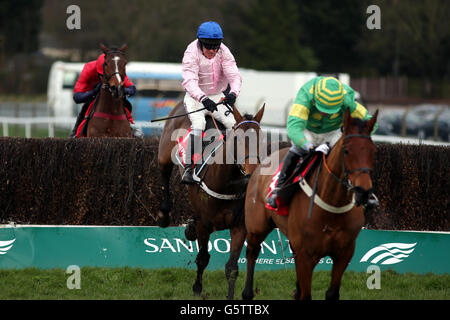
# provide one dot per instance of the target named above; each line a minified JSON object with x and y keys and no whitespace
{"x":176,"y":284}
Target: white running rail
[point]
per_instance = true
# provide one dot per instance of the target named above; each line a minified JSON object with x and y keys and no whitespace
{"x":68,"y":122}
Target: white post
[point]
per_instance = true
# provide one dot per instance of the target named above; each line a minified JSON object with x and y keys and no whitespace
{"x":28,"y":130}
{"x":51,"y":129}
{"x":5,"y":128}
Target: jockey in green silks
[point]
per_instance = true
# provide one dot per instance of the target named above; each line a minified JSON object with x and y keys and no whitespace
{"x":315,"y":122}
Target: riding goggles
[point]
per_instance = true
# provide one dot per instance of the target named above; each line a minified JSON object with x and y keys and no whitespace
{"x":210,"y":46}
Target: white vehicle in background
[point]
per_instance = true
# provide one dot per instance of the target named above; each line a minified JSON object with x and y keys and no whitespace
{"x":61,"y":80}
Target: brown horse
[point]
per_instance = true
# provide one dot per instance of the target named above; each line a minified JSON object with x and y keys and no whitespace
{"x":321,"y":232}
{"x":109,"y":118}
{"x":222,"y":189}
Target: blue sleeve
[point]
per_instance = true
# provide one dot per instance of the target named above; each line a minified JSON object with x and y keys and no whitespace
{"x":81,"y":97}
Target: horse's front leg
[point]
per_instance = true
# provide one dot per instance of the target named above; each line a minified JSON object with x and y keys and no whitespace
{"x":203,"y":256}
{"x":166,"y":203}
{"x":304,"y":264}
{"x":231,"y":268}
{"x":253,"y":247}
{"x":340,"y":263}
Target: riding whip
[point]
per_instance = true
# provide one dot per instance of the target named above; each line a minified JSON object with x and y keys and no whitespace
{"x":177,"y":116}
{"x":185,"y":114}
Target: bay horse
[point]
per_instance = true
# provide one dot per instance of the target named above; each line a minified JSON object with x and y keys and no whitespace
{"x":215,"y":208}
{"x":109,"y":118}
{"x":344,"y":185}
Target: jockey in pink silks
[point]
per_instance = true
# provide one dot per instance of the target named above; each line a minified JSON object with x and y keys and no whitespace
{"x":209,"y":74}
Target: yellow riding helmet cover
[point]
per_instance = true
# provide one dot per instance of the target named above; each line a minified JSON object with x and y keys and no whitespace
{"x":328,"y":94}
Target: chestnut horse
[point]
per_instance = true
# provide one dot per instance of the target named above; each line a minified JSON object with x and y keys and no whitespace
{"x":321,"y":232}
{"x":109,"y":118}
{"x":215,"y":204}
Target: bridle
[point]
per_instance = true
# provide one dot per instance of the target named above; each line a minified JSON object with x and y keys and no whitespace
{"x":238,"y":162}
{"x":346,"y":182}
{"x":105,"y":83}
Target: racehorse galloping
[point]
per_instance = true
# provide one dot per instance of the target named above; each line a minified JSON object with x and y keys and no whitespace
{"x":213,"y":209}
{"x":319,"y":233}
{"x":110,"y":118}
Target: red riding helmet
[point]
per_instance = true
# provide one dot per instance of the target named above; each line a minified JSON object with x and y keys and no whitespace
{"x":99,"y":63}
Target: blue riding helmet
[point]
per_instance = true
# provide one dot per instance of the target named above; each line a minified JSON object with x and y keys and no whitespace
{"x":210,"y":30}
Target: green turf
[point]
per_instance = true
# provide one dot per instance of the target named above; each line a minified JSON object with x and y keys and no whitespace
{"x":175,"y":284}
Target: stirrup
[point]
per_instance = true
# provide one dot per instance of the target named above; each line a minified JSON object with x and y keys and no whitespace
{"x":188,"y":176}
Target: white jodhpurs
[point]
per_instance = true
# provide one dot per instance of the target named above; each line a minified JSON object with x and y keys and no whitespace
{"x":319,"y":138}
{"x":198,"y":122}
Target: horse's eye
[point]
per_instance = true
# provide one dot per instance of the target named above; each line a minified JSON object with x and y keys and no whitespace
{"x":345,"y":151}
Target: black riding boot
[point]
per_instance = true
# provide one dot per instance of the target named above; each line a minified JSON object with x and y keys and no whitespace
{"x":188,"y":175}
{"x":289,"y":163}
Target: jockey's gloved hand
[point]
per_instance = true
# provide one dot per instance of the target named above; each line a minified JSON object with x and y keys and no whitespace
{"x":209,"y":104}
{"x":130,"y":91}
{"x":324,"y":148}
{"x":230,"y":98}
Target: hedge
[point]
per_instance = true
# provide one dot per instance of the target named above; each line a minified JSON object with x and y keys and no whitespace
{"x":115,"y":181}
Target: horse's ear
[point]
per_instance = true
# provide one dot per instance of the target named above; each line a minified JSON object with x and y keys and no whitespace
{"x":260,"y":113}
{"x":347,"y":118}
{"x":372,"y":121}
{"x":237,"y":115}
{"x":123,"y":47}
{"x":103,"y":48}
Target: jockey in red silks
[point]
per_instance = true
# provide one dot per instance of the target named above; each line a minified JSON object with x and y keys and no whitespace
{"x":88,"y":86}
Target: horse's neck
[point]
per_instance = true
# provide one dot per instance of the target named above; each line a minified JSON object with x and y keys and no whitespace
{"x":221,"y":172}
{"x":329,"y":188}
{"x":108,"y":104}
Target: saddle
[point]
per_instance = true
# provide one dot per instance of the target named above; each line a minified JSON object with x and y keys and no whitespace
{"x":304,"y":167}
{"x":210,"y":143}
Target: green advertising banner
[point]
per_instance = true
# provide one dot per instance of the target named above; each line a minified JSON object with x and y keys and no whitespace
{"x":46,"y":247}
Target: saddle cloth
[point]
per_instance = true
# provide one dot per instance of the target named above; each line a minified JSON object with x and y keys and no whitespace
{"x":284,"y":195}
{"x":182,"y":144}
